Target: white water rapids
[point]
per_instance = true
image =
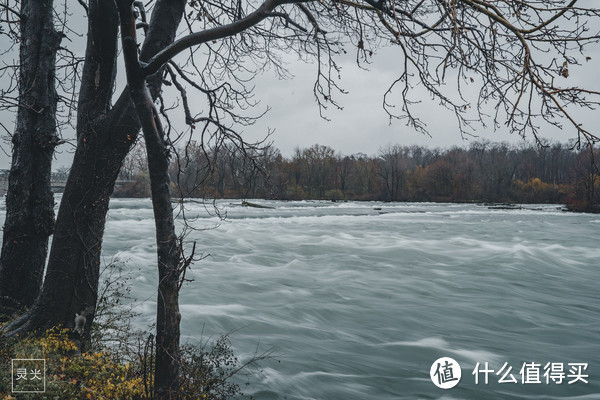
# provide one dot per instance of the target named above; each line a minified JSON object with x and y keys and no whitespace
{"x":359,"y":299}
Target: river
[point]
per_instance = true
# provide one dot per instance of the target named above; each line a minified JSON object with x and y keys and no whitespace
{"x":358,"y":299}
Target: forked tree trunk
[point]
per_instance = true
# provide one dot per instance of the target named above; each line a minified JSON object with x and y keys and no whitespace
{"x":29,"y":201}
{"x":71,"y":281}
{"x":104,"y":139}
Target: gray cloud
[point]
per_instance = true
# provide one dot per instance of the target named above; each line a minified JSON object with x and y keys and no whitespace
{"x":362,"y":125}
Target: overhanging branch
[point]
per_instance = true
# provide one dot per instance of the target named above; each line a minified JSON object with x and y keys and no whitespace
{"x":195,"y":39}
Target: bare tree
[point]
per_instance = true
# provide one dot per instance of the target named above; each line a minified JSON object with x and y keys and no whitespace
{"x":392,"y":169}
{"x":519,"y":53}
{"x":105,"y":133}
{"x":170,"y":259}
{"x":29,"y":201}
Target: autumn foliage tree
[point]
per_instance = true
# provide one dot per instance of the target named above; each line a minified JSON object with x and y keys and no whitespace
{"x":533,"y":173}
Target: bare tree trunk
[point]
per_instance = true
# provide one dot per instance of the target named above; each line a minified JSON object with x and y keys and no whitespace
{"x":167,"y":315}
{"x":166,"y":380}
{"x":29,"y":201}
{"x":104,"y":139}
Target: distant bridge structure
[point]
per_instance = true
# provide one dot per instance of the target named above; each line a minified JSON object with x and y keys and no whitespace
{"x":57,"y":181}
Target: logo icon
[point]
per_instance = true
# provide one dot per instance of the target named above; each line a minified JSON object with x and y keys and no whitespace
{"x":445,"y":373}
{"x":28,"y":375}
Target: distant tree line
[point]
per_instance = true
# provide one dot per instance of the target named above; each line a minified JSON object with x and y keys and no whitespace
{"x":483,"y":172}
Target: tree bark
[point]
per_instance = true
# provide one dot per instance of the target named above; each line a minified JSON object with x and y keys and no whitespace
{"x":104,"y":138}
{"x":29,"y":200}
{"x":166,"y":382}
{"x":167,"y":314}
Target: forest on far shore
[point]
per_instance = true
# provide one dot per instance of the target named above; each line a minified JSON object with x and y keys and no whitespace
{"x":483,"y":172}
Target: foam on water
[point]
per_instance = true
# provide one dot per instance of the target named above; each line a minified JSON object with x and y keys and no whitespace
{"x":358,"y":302}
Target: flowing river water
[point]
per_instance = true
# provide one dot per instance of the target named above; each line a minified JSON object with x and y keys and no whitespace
{"x":358,"y":299}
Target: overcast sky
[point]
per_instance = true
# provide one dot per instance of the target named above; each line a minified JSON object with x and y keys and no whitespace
{"x":362,"y":125}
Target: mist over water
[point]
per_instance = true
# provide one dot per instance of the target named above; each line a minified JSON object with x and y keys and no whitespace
{"x":359,"y":299}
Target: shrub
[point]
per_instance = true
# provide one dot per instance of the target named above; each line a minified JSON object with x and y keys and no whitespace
{"x":72,"y":376}
{"x":120,"y":366}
